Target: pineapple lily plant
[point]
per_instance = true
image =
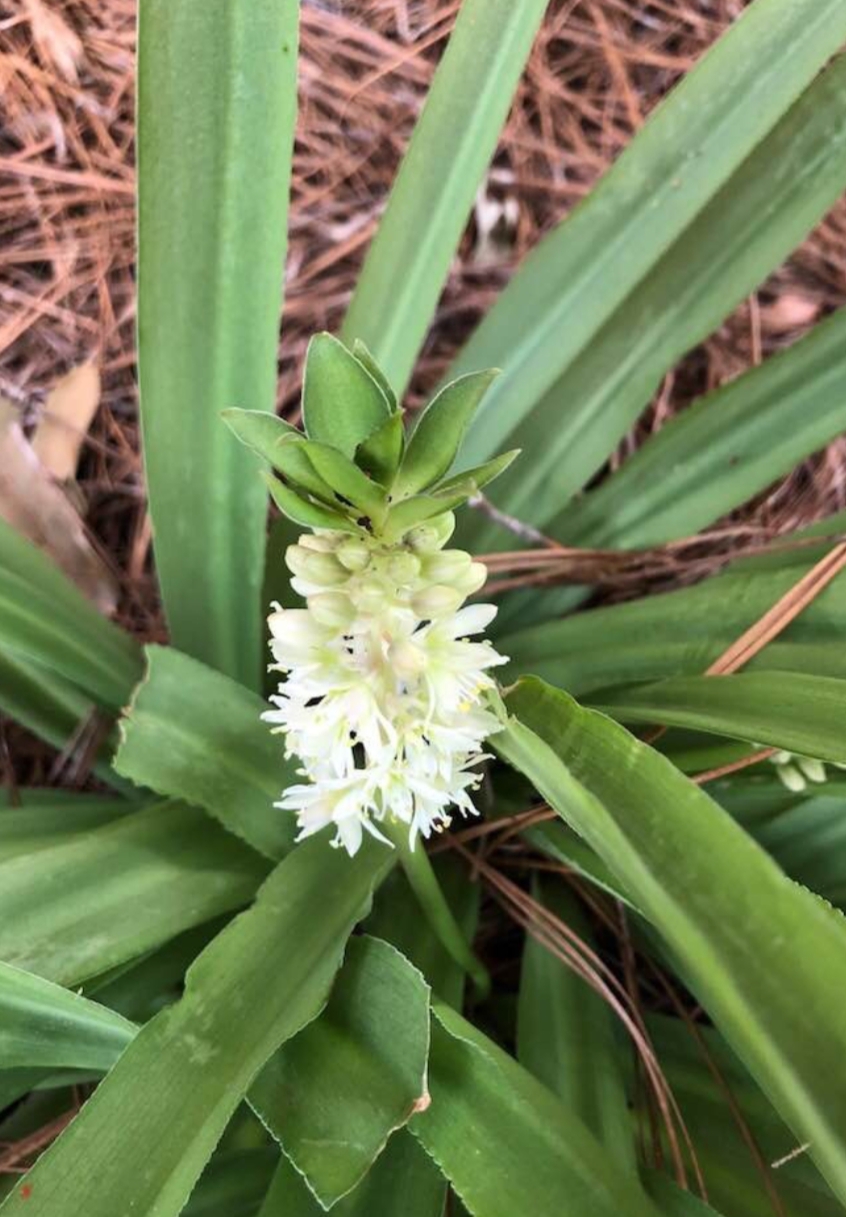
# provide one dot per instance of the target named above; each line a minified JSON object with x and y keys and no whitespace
{"x":204,"y":1006}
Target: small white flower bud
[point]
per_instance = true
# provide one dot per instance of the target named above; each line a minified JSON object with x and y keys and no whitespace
{"x":433,"y":535}
{"x":792,"y":778}
{"x":369,"y":597}
{"x":813,"y":769}
{"x":321,"y":568}
{"x":403,"y":568}
{"x":474,"y":578}
{"x":446,"y":566}
{"x":436,"y":601}
{"x":323,"y":542}
{"x":353,"y":554}
{"x":334,"y":609}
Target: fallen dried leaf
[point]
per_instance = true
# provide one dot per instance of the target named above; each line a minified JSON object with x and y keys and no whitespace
{"x":33,"y":504}
{"x":64,"y":423}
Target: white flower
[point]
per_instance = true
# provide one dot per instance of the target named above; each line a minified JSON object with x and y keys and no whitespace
{"x":383,"y":701}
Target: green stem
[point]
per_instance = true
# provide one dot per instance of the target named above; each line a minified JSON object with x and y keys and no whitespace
{"x":424,"y":884}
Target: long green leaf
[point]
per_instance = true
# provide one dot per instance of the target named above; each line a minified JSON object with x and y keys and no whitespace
{"x":259,"y":982}
{"x":688,"y":150}
{"x":402,"y":1181}
{"x":216,"y":111}
{"x":505,"y":1142}
{"x":787,"y":710}
{"x":452,"y":145}
{"x":233,"y":1185}
{"x":104,"y":897}
{"x":45,"y":618}
{"x":44,"y":822}
{"x":766,"y":208}
{"x":566,"y":1034}
{"x":735,"y":1181}
{"x":724,"y":449}
{"x":194,"y":733}
{"x":48,"y":706}
{"x":42,"y":1024}
{"x":681,"y":633}
{"x":723,"y":907}
{"x":334,"y":1094}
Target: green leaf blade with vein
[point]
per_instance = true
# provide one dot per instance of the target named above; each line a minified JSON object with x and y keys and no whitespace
{"x":684,"y":154}
{"x":724,"y":449}
{"x":680,"y":633}
{"x":259,"y":982}
{"x":725,"y":910}
{"x":216,"y":107}
{"x":168,"y":860}
{"x":342,"y":403}
{"x":194,"y":733}
{"x":505,"y":1142}
{"x":451,"y":147}
{"x":783,"y":709}
{"x":744,"y":232}
{"x":44,"y":1025}
{"x":436,"y":439}
{"x":43,"y":617}
{"x":336,"y":1092}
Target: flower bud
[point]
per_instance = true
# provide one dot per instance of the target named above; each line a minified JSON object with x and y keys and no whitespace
{"x":403,"y":568}
{"x":353,"y":554}
{"x":323,"y":542}
{"x":369,"y":596}
{"x":320,"y":568}
{"x":436,"y":601}
{"x":334,"y":609}
{"x":473,"y":578}
{"x":813,"y":769}
{"x":446,"y":566}
{"x":433,"y":535}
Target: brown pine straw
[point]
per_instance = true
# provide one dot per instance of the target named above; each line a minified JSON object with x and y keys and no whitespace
{"x":576,"y":954}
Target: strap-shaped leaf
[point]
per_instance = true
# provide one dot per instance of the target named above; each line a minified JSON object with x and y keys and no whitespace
{"x":264,"y":978}
{"x":194,"y":733}
{"x":721,"y":451}
{"x":745,"y":230}
{"x":789,"y":710}
{"x":334,"y":1094}
{"x":342,"y":403}
{"x":681,"y":633}
{"x":688,"y":151}
{"x":505,"y":1142}
{"x":43,"y":821}
{"x":731,"y":917}
{"x":48,"y":620}
{"x":42,"y":1024}
{"x":402,"y":1180}
{"x":169,"y":861}
{"x":436,"y":439}
{"x":450,"y":150}
{"x":217,"y":86}
{"x":51,"y":707}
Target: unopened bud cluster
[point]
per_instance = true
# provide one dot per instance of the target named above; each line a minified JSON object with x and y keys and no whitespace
{"x":383,"y":700}
{"x":795,"y":771}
